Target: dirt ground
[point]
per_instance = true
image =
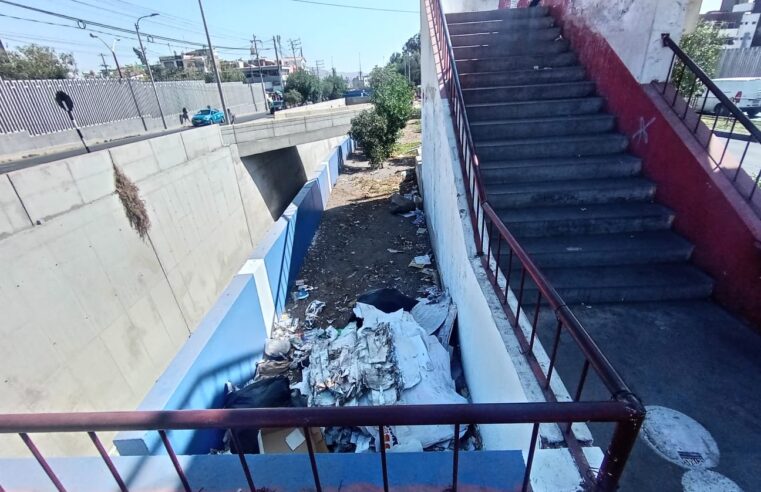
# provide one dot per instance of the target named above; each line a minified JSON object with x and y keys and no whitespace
{"x":350,"y":253}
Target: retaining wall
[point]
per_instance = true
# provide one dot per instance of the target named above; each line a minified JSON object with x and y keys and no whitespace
{"x":92,"y":314}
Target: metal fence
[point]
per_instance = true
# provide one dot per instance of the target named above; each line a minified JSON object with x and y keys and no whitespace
{"x":741,"y":62}
{"x":28,"y":105}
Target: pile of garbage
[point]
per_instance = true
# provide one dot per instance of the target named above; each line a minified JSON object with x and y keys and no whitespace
{"x":395,"y":350}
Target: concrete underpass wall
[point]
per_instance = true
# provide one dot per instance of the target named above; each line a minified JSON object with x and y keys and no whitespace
{"x":489,"y":369}
{"x":92,"y":314}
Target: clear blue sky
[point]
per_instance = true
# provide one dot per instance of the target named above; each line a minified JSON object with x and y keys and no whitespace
{"x":326,"y":32}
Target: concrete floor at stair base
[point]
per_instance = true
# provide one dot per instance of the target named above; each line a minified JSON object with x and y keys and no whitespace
{"x":690,"y":356}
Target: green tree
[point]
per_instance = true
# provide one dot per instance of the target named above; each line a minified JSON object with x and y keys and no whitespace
{"x":407,"y":63}
{"x":333,"y":86}
{"x":37,"y":62}
{"x":377,"y":130}
{"x":293,"y":98}
{"x":703,"y":45}
{"x":305,"y":83}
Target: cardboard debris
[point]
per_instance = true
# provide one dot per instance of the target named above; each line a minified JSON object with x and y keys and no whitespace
{"x":290,"y":441}
{"x":421,"y":261}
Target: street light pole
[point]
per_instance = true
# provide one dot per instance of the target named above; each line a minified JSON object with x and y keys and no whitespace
{"x":148,"y":66}
{"x":121,"y":77}
{"x":261,"y":78}
{"x":214,"y":64}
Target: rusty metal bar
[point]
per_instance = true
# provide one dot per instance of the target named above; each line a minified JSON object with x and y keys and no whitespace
{"x":107,"y":459}
{"x":624,"y":438}
{"x":456,"y":457}
{"x":243,"y":463}
{"x":554,"y":353}
{"x":536,"y":321}
{"x":668,"y":75}
{"x":384,"y":466}
{"x":175,"y":461}
{"x":530,"y":458}
{"x":520,"y":297}
{"x":41,"y":460}
{"x":313,"y":460}
{"x":474,"y":413}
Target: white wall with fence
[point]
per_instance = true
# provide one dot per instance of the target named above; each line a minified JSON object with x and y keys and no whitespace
{"x":740,"y":62}
{"x":29,"y":105}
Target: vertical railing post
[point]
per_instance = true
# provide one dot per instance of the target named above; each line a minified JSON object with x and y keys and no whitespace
{"x":42,"y":461}
{"x":621,"y":445}
{"x":175,"y":461}
{"x":456,"y":457}
{"x":312,"y":460}
{"x":384,"y":466}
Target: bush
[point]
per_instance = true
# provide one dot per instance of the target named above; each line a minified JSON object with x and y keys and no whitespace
{"x":370,"y":130}
{"x":378,"y":129}
{"x":305,"y":83}
{"x":293,"y":98}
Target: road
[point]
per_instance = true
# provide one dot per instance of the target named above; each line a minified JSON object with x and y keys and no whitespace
{"x":7,"y":167}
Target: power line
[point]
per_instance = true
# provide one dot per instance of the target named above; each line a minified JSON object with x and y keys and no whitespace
{"x":358,"y":7}
{"x":83,"y":24}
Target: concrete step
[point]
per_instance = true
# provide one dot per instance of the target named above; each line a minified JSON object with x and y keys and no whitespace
{"x":610,"y":218}
{"x":534,"y":109}
{"x":606,"y":166}
{"x":500,"y":25}
{"x":538,"y":148}
{"x":572,"y":192}
{"x":498,"y":14}
{"x":518,"y":62}
{"x":533,"y":92}
{"x":520,"y":47}
{"x":522,"y":77}
{"x":505,"y":37}
{"x":608,"y":249}
{"x":542,"y":127}
{"x":628,"y":283}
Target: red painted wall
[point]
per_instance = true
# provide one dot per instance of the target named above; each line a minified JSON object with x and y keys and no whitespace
{"x":709,"y":212}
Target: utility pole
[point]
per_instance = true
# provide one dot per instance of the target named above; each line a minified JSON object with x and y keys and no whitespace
{"x":148,"y":66}
{"x":361,"y":81}
{"x":112,"y":49}
{"x":296,"y":43}
{"x":214,"y":63}
{"x":259,"y":64}
{"x":104,"y":65}
{"x":318,"y":64}
{"x":276,"y":43}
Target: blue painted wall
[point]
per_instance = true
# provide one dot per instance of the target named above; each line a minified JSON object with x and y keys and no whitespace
{"x":230,"y":339}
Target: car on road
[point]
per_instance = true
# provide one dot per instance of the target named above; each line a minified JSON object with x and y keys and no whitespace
{"x":277,"y":106}
{"x":745,"y":92}
{"x":208,"y":116}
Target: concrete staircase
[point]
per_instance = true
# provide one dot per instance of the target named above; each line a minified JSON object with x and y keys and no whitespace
{"x":556,"y":170}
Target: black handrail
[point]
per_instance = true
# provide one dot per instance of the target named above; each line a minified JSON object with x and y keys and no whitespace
{"x":728,"y":104}
{"x":746,"y":187}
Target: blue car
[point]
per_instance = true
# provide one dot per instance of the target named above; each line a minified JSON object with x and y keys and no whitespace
{"x":207,"y":116}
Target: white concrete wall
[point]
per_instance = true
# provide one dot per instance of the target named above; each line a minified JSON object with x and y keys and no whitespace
{"x":633,"y":29}
{"x":92,"y":314}
{"x":489,"y":369}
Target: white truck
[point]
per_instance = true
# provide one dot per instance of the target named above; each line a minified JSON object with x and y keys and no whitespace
{"x":745,"y":92}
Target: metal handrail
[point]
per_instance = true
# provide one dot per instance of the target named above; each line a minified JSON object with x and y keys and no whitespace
{"x":252,"y":418}
{"x":712,"y":87}
{"x":748,"y":187}
{"x":486,"y":222}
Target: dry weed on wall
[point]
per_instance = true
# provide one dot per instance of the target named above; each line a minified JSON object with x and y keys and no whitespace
{"x":134,"y":206}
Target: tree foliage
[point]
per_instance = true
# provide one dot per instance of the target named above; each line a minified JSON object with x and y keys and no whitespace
{"x":37,"y":62}
{"x":377,"y":130}
{"x":162,"y":73}
{"x":305,"y":83}
{"x":703,"y":45}
{"x":293,"y":98}
{"x":333,"y":86}
{"x":407,"y":63}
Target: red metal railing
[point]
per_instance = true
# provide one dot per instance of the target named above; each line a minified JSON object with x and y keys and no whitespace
{"x":510,"y":268}
{"x":499,"y":251}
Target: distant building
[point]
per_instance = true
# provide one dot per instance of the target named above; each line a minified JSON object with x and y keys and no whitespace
{"x":738,"y":22}
{"x":190,"y":60}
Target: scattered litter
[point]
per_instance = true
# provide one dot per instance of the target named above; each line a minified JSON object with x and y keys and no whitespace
{"x":420,"y":261}
{"x":401,"y":204}
{"x":421,"y":231}
{"x":312,"y":311}
{"x":419,"y":218}
{"x":277,"y":349}
{"x":431,"y":313}
{"x":267,"y":369}
{"x":408,"y":215}
{"x":573,"y":249}
{"x":387,"y":300}
{"x":393,"y":251}
{"x":301,"y":293}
